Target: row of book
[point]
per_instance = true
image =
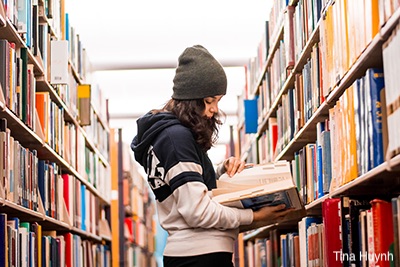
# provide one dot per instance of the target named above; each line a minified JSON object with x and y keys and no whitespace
{"x":279,"y":74}
{"x":305,"y":21}
{"x":307,"y":86}
{"x":299,"y":21}
{"x":344,"y":33}
{"x":342,"y":131}
{"x":140,"y":221}
{"x":18,"y":169}
{"x":97,"y":131}
{"x":256,"y":65}
{"x":338,"y":18}
{"x":87,"y":205}
{"x":139,"y":234}
{"x":59,"y":178}
{"x":136,"y":198}
{"x":351,"y":232}
{"x":131,"y":215}
{"x":22,"y":98}
{"x":28,"y":244}
{"x":34,"y":184}
{"x":17,"y":160}
{"x":362,"y":116}
{"x":342,"y":151}
{"x":58,"y":54}
{"x":35,"y":21}
{"x":17,"y":81}
{"x":138,"y":257}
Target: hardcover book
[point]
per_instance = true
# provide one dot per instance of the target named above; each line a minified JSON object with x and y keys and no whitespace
{"x":268,"y":184}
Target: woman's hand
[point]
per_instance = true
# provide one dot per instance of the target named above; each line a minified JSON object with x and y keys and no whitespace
{"x":271,"y":214}
{"x":233,"y":165}
{"x":266,"y":216}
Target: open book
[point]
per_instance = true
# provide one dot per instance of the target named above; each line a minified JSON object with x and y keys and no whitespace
{"x":258,"y":186}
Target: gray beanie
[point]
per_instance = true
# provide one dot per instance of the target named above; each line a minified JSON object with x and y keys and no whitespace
{"x":198,"y":75}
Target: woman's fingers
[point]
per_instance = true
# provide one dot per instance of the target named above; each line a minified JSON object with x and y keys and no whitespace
{"x":234,"y":165}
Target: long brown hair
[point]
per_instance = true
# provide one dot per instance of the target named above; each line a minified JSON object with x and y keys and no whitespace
{"x":190,"y":113}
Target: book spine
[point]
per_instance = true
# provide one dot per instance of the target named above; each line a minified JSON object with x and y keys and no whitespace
{"x":332,"y":226}
{"x":383,"y":232}
{"x":375,"y":83}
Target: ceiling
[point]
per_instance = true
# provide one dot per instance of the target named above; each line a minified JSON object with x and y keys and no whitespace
{"x":134,"y":45}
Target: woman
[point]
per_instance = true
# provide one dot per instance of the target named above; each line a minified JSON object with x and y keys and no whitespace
{"x":172,"y":144}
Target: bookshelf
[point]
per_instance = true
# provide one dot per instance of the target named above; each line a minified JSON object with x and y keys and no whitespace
{"x":326,"y":80}
{"x":132,"y":208}
{"x":55,"y":171}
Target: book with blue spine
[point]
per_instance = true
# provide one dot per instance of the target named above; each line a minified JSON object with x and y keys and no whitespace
{"x":43,"y":181}
{"x":375,"y":83}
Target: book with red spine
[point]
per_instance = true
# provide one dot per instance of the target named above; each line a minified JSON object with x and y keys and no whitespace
{"x":383,"y":232}
{"x":332,"y":232}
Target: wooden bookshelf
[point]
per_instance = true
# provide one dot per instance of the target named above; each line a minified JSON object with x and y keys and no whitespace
{"x":25,"y":202}
{"x":381,"y":181}
{"x":16,"y":210}
{"x":138,"y":211}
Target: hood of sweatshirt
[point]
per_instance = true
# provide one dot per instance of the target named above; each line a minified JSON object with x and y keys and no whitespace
{"x":148,"y":127}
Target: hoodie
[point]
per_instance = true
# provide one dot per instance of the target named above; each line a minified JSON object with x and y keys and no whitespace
{"x":181,"y":176}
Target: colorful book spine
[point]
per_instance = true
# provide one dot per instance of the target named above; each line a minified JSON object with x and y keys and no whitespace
{"x":383,"y":232}
{"x":375,"y":83}
{"x":332,"y":232}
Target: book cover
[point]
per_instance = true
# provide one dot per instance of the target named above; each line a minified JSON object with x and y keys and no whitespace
{"x":83,"y":207}
{"x":289,"y":37}
{"x":363,"y":237}
{"x":326,"y":158}
{"x":332,"y":228}
{"x":43,"y":182}
{"x":383,"y":232}
{"x":352,"y":157}
{"x":284,"y":249}
{"x":268,"y":184}
{"x":69,"y":195}
{"x":4,"y":152}
{"x":37,"y":229}
{"x":345,"y":229}
{"x":24,"y":244}
{"x":250,"y":115}
{"x":84,"y":105}
{"x":43,"y":110}
{"x":370,"y":240}
{"x":59,"y":62}
{"x":4,"y":69}
{"x":3,"y":240}
{"x":303,"y":225}
{"x":395,"y":219}
{"x":375,"y":83}
{"x":68,"y":237}
{"x":355,"y":207}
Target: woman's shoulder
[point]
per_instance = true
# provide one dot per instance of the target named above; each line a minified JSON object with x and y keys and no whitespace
{"x":179,"y":131}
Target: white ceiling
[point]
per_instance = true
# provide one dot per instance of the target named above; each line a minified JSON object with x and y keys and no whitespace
{"x":124,"y":36}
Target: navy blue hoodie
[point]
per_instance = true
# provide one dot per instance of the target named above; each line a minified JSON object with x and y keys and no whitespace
{"x":181,"y":176}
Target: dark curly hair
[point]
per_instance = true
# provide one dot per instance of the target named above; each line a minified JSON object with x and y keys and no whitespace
{"x":190,"y":113}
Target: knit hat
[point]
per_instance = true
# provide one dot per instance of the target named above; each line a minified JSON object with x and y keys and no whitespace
{"x":198,"y":75}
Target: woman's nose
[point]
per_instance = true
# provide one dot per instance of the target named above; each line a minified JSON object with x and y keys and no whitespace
{"x":214,"y":109}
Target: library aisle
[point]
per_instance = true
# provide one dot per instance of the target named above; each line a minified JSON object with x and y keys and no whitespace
{"x":321,"y":94}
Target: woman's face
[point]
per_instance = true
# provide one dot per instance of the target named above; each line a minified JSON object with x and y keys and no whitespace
{"x":211,"y":104}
